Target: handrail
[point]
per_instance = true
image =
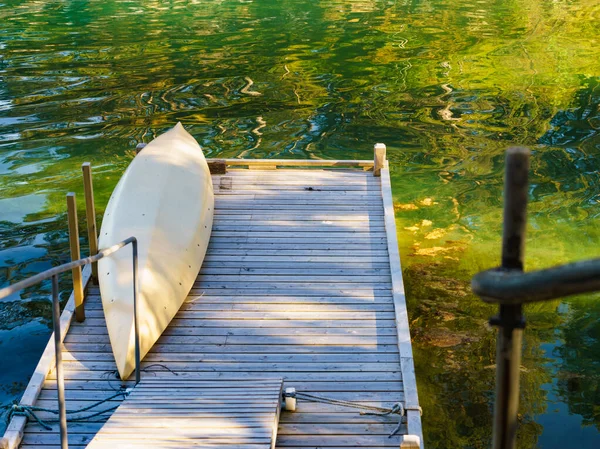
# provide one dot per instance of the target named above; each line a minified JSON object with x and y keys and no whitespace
{"x":510,"y":288}
{"x":515,"y":287}
{"x":6,"y":291}
{"x":53,"y":273}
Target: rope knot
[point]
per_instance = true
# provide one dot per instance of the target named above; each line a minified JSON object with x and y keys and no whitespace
{"x":398,"y":409}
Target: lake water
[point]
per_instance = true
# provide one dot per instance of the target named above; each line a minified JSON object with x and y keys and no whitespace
{"x":447,"y":85}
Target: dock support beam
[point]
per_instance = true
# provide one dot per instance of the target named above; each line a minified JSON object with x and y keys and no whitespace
{"x":75,"y":255}
{"x":90,"y":213}
{"x":379,"y":154}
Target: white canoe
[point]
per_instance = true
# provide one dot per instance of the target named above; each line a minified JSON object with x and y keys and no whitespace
{"x":164,"y":199}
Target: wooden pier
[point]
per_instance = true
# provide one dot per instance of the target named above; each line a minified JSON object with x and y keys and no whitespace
{"x":301,"y":282}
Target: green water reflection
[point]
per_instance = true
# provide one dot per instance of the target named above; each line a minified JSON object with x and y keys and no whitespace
{"x":447,"y":85}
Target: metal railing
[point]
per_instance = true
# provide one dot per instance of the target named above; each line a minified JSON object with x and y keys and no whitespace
{"x":54,"y":273}
{"x":510,"y":288}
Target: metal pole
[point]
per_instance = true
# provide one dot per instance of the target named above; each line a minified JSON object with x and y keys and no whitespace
{"x":60,"y":381}
{"x":90,"y":214}
{"x":510,"y":320}
{"x":134,"y":249}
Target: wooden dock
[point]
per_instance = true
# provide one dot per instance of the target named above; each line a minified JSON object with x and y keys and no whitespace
{"x":301,"y":282}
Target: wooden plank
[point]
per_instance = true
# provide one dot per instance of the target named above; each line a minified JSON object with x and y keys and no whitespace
{"x":189,"y":322}
{"x":287,"y":306}
{"x":402,"y":326}
{"x":298,"y":347}
{"x":335,"y":200}
{"x":295,"y":207}
{"x":187,"y":341}
{"x":321,"y":287}
{"x":261,"y":331}
{"x":291,"y":377}
{"x":364,"y":272}
{"x":300,"y":187}
{"x":302,"y":191}
{"x":392,"y":383}
{"x":317,"y":183}
{"x":278,"y":257}
{"x":331,"y":279}
{"x":299,"y":248}
{"x":181,"y":356}
{"x":246,"y":367}
{"x":93,"y":301}
{"x":293,"y":175}
{"x":282,"y":228}
{"x":296,"y":292}
{"x":300,"y":172}
{"x":299,"y":219}
{"x":318,"y":241}
{"x":191,"y":431}
{"x":299,"y":162}
{"x":258,"y":272}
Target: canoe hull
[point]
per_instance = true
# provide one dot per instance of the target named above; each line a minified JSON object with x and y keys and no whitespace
{"x":165,"y":199}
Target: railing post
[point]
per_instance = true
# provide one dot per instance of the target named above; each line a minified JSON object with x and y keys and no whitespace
{"x":75,"y":255}
{"x":510,"y":320}
{"x":379,"y":153}
{"x":90,"y":214}
{"x":136,"y":331}
{"x":60,"y":381}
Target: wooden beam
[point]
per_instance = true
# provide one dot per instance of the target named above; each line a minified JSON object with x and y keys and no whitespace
{"x":379,"y":152}
{"x":411,"y":404}
{"x":90,"y":213}
{"x":297,"y":163}
{"x":75,"y":255}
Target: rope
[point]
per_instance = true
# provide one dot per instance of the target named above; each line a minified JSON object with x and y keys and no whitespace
{"x":397,"y":408}
{"x":146,"y":370}
{"x":29,"y":411}
{"x":315,"y":398}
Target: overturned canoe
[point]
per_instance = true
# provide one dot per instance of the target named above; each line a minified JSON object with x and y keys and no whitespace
{"x":164,"y":199}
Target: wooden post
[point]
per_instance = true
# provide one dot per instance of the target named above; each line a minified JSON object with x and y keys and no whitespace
{"x":139,"y":147}
{"x":217,"y":166}
{"x":379,"y":158}
{"x":90,"y":214}
{"x":75,"y":255}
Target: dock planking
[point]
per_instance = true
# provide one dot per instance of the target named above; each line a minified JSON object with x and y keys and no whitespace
{"x":301,"y":282}
{"x":151,"y":415}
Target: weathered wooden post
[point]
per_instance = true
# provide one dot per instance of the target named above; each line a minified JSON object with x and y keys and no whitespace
{"x":90,"y":214}
{"x":510,"y":319}
{"x":75,"y":255}
{"x":379,"y":153}
{"x":139,"y":147}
